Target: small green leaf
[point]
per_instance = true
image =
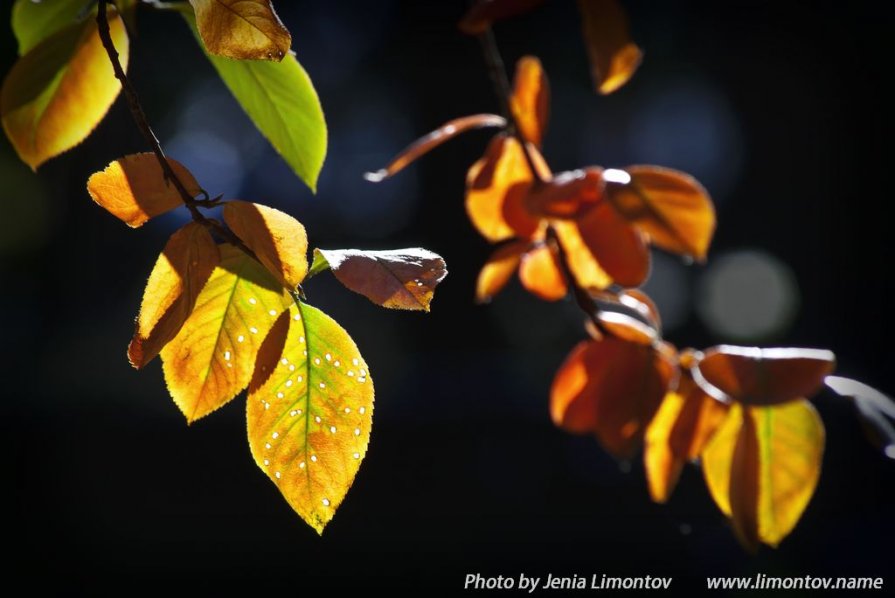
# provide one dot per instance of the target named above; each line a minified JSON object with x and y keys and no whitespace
{"x":318,"y":265}
{"x":32,"y":22}
{"x":282,"y":102}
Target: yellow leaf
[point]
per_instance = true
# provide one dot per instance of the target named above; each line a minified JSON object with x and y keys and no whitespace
{"x":539,"y":273}
{"x":60,"y":90}
{"x":613,"y":56}
{"x":242,"y":29}
{"x":179,"y":274}
{"x":309,"y":411}
{"x":765,"y":501}
{"x":212,"y":357}
{"x":498,"y":270}
{"x":531,"y":99}
{"x":278,"y":239}
{"x":581,"y":261}
{"x":134,"y":188}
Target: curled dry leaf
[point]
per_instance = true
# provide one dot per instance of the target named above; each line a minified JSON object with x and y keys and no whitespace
{"x":612,"y":388}
{"x":310,"y":411}
{"x":180,"y":272}
{"x":485,"y":12}
{"x":427,"y":143}
{"x":762,"y":467}
{"x":613,"y":56}
{"x":57,"y":93}
{"x":496,"y":186}
{"x":134,"y":188}
{"x":530,"y":101}
{"x":757,"y":376}
{"x":212,"y":357}
{"x":873,"y":409}
{"x":242,"y":29}
{"x":670,"y":207}
{"x":398,"y":279}
{"x":278,"y":239}
{"x":498,"y":270}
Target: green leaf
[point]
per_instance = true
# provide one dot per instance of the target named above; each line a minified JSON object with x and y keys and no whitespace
{"x":32,"y":22}
{"x":282,"y":102}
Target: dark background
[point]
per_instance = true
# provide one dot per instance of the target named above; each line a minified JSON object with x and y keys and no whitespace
{"x":780,"y":108}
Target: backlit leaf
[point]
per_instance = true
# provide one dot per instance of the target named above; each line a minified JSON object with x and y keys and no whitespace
{"x":617,"y":247}
{"x":32,"y":22}
{"x":566,"y":195}
{"x":212,"y":357}
{"x":427,"y":143}
{"x":498,"y":270}
{"x":134,"y":188}
{"x":496,"y":186}
{"x":278,"y":239}
{"x":766,"y":376}
{"x":179,"y":274}
{"x":282,"y":102}
{"x":530,"y":101}
{"x":485,"y":12}
{"x":612,"y":388}
{"x":671,"y":207}
{"x":613,"y":56}
{"x":399,"y":279}
{"x":584,"y":267}
{"x":762,"y":467}
{"x":60,"y":90}
{"x":242,"y":29}
{"x":873,"y":409}
{"x":310,"y":411}
{"x":540,"y":274}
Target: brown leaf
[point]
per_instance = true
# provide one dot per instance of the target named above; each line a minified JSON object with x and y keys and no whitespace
{"x":530,"y":101}
{"x":671,"y":207}
{"x":176,"y":279}
{"x":485,"y":12}
{"x":611,"y":388}
{"x":398,"y":279}
{"x":566,"y":195}
{"x":613,"y":56}
{"x":278,"y":239}
{"x":498,"y":270}
{"x":427,"y":143}
{"x":616,"y":246}
{"x":242,"y":29}
{"x":757,"y":376}
{"x":134,"y":188}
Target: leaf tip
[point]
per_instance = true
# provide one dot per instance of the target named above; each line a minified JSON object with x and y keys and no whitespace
{"x":376,"y":177}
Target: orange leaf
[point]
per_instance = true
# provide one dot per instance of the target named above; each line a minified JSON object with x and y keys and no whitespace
{"x":278,"y":239}
{"x":612,"y":388}
{"x":530,"y":101}
{"x":242,"y":29}
{"x":427,"y":143}
{"x":540,"y":274}
{"x":498,"y":270}
{"x":566,"y":195}
{"x":398,"y":279}
{"x":584,"y":267}
{"x":671,"y":207}
{"x":174,"y":284}
{"x":134,"y":188}
{"x":57,"y":93}
{"x":766,"y":376}
{"x":616,"y":246}
{"x":484,"y":12}
{"x":496,"y":186}
{"x":613,"y":56}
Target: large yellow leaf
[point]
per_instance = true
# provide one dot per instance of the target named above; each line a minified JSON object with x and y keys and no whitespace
{"x":310,"y":410}
{"x":179,"y":274}
{"x":242,"y":29}
{"x":278,"y":239}
{"x":134,"y":188}
{"x":60,"y":90}
{"x":762,"y":467}
{"x":211,"y":359}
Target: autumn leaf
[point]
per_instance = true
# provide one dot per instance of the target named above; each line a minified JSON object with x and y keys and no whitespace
{"x":212,"y":357}
{"x":485,"y":12}
{"x":874,"y":410}
{"x":540,"y":274}
{"x":179,"y":274}
{"x":566,"y":195}
{"x":277,"y":239}
{"x":134,"y":188}
{"x":671,"y":207}
{"x":762,"y":467}
{"x":398,"y":279}
{"x":32,"y":22}
{"x":281,"y":101}
{"x":757,"y":376}
{"x":310,"y":411}
{"x":617,"y":247}
{"x":587,"y":272}
{"x":613,"y":56}
{"x":499,"y":269}
{"x":242,"y":29}
{"x":430,"y":141}
{"x":58,"y":92}
{"x":613,"y":388}
{"x":530,"y":101}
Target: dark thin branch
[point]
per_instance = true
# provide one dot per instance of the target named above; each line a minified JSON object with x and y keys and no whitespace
{"x":582,"y":298}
